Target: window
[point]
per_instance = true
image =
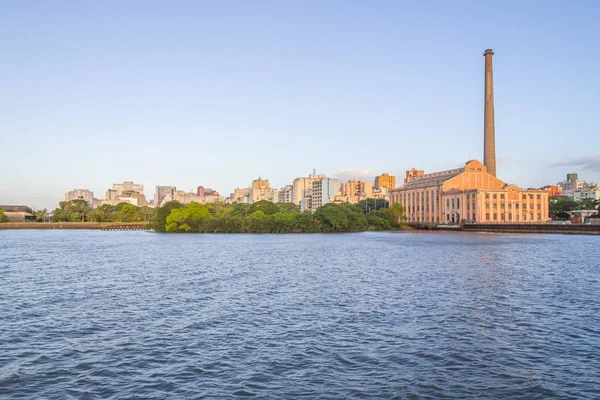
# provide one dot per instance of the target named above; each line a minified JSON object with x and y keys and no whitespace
{"x":487,"y":217}
{"x":453,"y":204}
{"x":517,"y":206}
{"x":495,"y":217}
{"x":502,"y":206}
{"x":473,"y":217}
{"x":502,"y":196}
{"x":524,"y":197}
{"x":539,"y":197}
{"x":539,"y":206}
{"x":495,"y":196}
{"x":468,"y":206}
{"x":468,"y":196}
{"x":447,"y":217}
{"x":495,"y":206}
{"x":487,"y":195}
{"x":502,"y":216}
{"x":517,"y":217}
{"x":487,"y":206}
{"x":539,"y":216}
{"x":457,"y":203}
{"x":531,"y":206}
{"x":447,"y":203}
{"x":530,"y":197}
{"x":509,"y":206}
{"x":509,"y":216}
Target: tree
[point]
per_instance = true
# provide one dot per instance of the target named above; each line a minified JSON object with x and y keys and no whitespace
{"x":72,"y":211}
{"x":395,"y":213}
{"x":3,"y":217}
{"x":265,"y":206}
{"x":187,"y":218}
{"x":159,"y":219}
{"x":368,"y":205}
{"x":40,"y":215}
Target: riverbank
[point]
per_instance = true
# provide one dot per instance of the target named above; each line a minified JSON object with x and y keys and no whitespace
{"x":74,"y":225}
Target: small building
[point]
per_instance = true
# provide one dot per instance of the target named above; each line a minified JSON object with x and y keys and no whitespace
{"x":18,"y":213}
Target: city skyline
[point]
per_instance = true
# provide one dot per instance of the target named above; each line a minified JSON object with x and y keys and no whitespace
{"x":205,"y":105}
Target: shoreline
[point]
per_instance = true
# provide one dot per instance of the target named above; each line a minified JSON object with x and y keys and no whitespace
{"x":475,"y":228}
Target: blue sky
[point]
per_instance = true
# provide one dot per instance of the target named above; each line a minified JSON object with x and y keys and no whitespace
{"x":218,"y":93}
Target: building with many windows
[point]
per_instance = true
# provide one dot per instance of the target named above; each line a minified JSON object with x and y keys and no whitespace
{"x":468,"y":195}
{"x":386,"y":181}
{"x":323,"y":192}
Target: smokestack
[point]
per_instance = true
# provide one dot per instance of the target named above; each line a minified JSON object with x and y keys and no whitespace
{"x":489,"y":140}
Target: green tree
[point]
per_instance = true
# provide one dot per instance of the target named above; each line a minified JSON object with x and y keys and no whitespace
{"x":40,"y":215}
{"x":559,"y":207}
{"x":187,"y":219}
{"x":395,"y":213}
{"x":3,"y":217}
{"x":267,"y":207}
{"x":159,"y":218}
{"x":72,"y":211}
{"x":368,"y":205}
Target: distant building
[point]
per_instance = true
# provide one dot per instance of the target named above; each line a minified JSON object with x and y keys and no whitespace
{"x":18,"y":213}
{"x":183,"y":197}
{"x":128,"y":186}
{"x":302,"y":187}
{"x":386,"y":181}
{"x":468,"y":195}
{"x":81,"y":194}
{"x":380,"y":192}
{"x":354,"y":191}
{"x":306,"y":204}
{"x":242,"y":196}
{"x":589,"y":193}
{"x":208,"y":195}
{"x":161,"y":192}
{"x":126,"y":192}
{"x":553,"y":190}
{"x":323,"y":192}
{"x":261,"y":190}
{"x":285,"y":194}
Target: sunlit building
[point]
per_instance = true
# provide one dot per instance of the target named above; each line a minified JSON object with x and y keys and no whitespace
{"x":386,"y":181}
{"x":468,"y":195}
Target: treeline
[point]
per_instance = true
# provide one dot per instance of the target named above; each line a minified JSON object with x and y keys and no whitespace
{"x":79,"y":211}
{"x":560,"y":205}
{"x":267,"y":217}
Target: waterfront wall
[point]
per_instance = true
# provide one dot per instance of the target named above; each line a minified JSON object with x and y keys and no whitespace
{"x":534,"y":228}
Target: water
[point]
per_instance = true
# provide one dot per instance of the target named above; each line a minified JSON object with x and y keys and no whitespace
{"x":87,"y":314}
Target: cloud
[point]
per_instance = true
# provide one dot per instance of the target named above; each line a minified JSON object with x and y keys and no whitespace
{"x":355,"y":173}
{"x":586,"y":163}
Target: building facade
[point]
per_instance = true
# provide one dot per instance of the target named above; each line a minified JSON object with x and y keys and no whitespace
{"x":386,"y":181}
{"x":81,"y":194}
{"x":468,"y":195}
{"x":354,"y":191}
{"x":161,"y":192}
{"x":323,"y":192}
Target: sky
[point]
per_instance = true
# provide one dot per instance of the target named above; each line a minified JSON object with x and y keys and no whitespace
{"x":191,"y":93}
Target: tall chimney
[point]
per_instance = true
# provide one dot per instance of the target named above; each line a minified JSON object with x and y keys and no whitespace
{"x":489,"y":140}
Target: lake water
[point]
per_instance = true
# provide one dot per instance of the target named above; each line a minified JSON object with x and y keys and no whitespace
{"x":90,"y":314}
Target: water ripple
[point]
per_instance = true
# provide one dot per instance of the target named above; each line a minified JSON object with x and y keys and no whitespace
{"x":95,"y":315}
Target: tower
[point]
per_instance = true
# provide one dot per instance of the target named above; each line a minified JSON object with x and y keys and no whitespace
{"x":489,"y":140}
